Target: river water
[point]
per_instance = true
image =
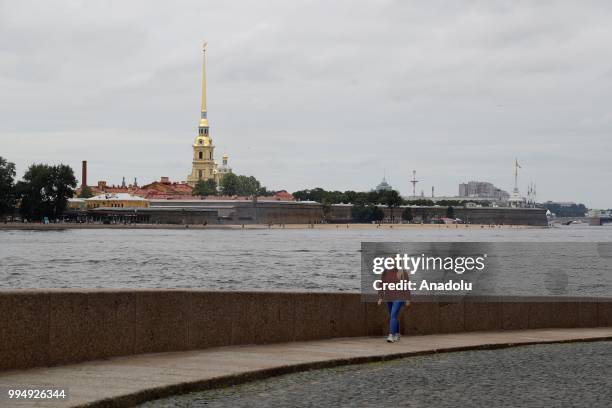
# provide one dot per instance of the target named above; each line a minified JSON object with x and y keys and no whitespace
{"x":257,"y":259}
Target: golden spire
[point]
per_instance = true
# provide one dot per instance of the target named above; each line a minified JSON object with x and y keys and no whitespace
{"x":203,"y":116}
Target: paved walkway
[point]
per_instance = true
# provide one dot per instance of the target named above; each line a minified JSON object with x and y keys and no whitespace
{"x":125,"y":381}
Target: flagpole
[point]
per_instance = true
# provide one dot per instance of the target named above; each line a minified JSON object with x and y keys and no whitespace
{"x":516,"y":167}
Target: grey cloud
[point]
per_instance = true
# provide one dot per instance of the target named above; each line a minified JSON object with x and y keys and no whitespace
{"x":317,"y":93}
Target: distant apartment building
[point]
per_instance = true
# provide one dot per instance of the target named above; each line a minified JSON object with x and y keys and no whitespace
{"x":482,"y":189}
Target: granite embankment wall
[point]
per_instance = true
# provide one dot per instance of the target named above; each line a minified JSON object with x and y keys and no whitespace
{"x":52,"y":327}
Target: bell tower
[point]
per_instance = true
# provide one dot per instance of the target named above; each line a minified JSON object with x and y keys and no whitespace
{"x":204,"y":166}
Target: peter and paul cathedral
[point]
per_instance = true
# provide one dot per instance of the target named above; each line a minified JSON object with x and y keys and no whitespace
{"x":204,"y":165}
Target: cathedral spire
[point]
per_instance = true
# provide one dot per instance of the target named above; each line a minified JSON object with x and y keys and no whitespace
{"x":203,"y":116}
{"x":204,"y":165}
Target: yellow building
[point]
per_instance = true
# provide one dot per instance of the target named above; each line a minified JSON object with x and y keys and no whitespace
{"x":76,"y":203}
{"x":117,"y":200}
{"x":204,"y":166}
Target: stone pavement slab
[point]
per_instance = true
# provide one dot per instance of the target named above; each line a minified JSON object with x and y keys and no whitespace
{"x":126,"y":381}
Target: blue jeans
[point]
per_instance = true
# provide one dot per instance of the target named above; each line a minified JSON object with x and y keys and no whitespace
{"x":394,"y":309}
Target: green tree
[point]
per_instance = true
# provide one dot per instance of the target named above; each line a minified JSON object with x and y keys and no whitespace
{"x":391,"y":199}
{"x":85,"y":192}
{"x":362,"y":213}
{"x":205,"y":188}
{"x":350,"y":196}
{"x":229,"y":184}
{"x":421,"y":202}
{"x":7,"y":186}
{"x":322,"y":196}
{"x":263,"y":191}
{"x":372,"y":197}
{"x":317,"y":194}
{"x":564,"y":210}
{"x":45,"y":190}
{"x":407,"y":214}
{"x":359,"y":213}
{"x":335,"y":197}
{"x":360,"y":198}
{"x":450,"y":212}
{"x":302,"y":195}
{"x":248,"y":185}
{"x":454,"y":203}
{"x":327,"y":209}
{"x":376,"y":213}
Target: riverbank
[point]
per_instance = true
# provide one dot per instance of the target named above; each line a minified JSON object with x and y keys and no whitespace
{"x":67,"y":226}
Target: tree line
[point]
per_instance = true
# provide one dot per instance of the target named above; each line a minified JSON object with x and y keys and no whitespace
{"x":384,"y":197}
{"x":231,"y":185}
{"x":43,"y":192}
{"x":366,"y":203}
{"x":571,"y":210}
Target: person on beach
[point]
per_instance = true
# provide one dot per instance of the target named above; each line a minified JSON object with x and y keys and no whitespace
{"x":395,"y":299}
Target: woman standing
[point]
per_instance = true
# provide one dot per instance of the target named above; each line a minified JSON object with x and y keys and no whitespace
{"x":395,"y":299}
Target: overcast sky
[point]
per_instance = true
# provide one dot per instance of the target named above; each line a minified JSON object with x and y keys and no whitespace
{"x":316,"y":93}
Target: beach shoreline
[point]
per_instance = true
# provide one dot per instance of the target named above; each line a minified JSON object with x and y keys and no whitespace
{"x":68,"y":226}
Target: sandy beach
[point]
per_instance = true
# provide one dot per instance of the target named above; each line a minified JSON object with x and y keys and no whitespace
{"x":66,"y":226}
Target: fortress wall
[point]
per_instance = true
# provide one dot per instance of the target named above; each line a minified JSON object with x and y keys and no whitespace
{"x":487,"y":215}
{"x":184,"y":217}
{"x":341,"y":214}
{"x":278,"y":213}
{"x":507,"y":216}
{"x":52,"y":327}
{"x":473,"y":215}
{"x":265,"y":212}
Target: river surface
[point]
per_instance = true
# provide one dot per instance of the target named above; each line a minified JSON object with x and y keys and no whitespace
{"x":257,"y":259}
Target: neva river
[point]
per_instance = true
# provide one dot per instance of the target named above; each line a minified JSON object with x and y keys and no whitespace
{"x":277,"y":259}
